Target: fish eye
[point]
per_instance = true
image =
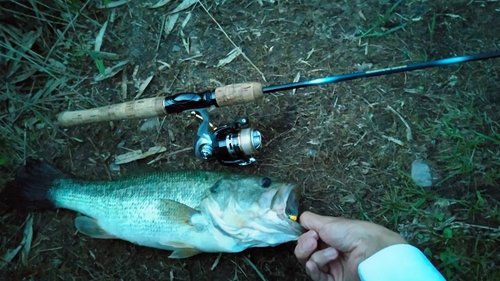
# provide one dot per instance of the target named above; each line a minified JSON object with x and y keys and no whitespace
{"x":265,"y":182}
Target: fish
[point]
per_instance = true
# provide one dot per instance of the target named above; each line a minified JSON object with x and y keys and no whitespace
{"x":187,"y":212}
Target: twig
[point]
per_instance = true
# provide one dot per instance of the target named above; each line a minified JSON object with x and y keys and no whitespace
{"x":409,"y":136}
{"x":236,"y":46}
{"x":254,"y":268}
{"x":216,"y":262}
{"x":169,"y":154}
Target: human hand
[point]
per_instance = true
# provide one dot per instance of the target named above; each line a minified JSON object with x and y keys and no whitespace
{"x":333,"y":247}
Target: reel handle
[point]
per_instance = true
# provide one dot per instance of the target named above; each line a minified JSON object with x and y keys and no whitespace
{"x":151,"y":107}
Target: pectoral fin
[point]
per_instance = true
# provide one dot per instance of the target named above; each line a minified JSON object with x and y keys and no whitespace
{"x":181,"y":250}
{"x":183,"y":253}
{"x":177,"y":212}
{"x":91,"y":227}
{"x":182,"y":216}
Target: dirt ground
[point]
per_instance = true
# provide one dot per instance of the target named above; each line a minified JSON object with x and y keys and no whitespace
{"x":346,"y":143}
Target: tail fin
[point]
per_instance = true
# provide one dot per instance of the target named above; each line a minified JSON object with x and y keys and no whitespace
{"x":30,"y":188}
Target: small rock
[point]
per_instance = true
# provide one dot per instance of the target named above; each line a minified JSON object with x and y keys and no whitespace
{"x":151,"y":124}
{"x":176,"y":48}
{"x":421,"y":173}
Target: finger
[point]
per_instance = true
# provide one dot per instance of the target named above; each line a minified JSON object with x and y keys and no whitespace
{"x":323,"y":257}
{"x":337,"y":271}
{"x":317,"y":275}
{"x":307,"y":244}
{"x":313,"y":221}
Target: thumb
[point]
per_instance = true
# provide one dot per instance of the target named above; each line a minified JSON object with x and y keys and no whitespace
{"x":336,"y":232}
{"x":313,"y":221}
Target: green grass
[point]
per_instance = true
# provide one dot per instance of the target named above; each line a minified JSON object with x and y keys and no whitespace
{"x":382,"y":19}
{"x":456,"y":222}
{"x":432,"y":27}
{"x":472,"y":150}
{"x":459,"y":236}
{"x":39,"y":48}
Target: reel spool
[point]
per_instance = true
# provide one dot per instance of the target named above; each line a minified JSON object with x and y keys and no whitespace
{"x":234,"y":144}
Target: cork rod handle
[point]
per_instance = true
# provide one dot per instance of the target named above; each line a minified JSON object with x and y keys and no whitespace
{"x":238,"y":93}
{"x":152,"y":107}
{"x":144,"y":108}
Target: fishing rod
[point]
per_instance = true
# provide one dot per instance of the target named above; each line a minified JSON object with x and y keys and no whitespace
{"x":235,"y":143}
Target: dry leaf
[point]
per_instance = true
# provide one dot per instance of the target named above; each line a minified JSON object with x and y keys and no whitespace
{"x":113,"y":4}
{"x":364,"y":66}
{"x":143,"y":86}
{"x":160,"y":3}
{"x":216,"y":262}
{"x":394,"y":140}
{"x":138,"y":154}
{"x":100,"y":35}
{"x":170,"y":23}
{"x":28,"y":237}
{"x":151,"y":124}
{"x":185,"y":42}
{"x":111,"y":71}
{"x":295,"y":80}
{"x":9,"y":256}
{"x":230,"y":57}
{"x":163,"y":65}
{"x":361,"y":15}
{"x":184,"y":5}
{"x":186,"y":20}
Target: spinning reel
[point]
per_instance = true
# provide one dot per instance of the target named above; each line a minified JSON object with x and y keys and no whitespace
{"x":234,"y":144}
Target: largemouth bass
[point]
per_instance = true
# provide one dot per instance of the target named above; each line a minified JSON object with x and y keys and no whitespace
{"x":187,"y":212}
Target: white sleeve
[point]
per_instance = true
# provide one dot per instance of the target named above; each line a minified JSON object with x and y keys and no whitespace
{"x":402,"y":262}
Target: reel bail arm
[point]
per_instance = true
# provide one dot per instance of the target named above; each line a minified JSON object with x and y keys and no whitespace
{"x":234,"y":144}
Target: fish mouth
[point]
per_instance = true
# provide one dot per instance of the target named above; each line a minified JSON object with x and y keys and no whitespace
{"x":292,"y":202}
{"x":290,"y":196}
